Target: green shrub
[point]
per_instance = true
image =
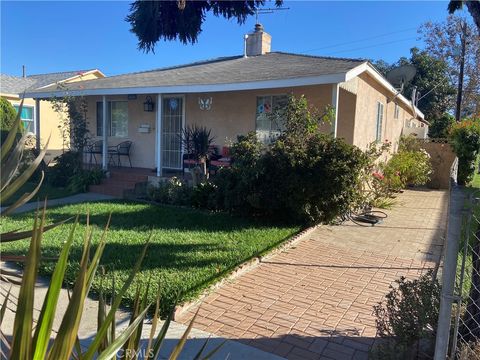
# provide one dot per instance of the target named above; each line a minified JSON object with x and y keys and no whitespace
{"x":412,"y":167}
{"x":7,"y":118}
{"x":84,"y":178}
{"x":7,"y":114}
{"x":67,"y":165}
{"x":303,"y":176}
{"x":407,"y":317}
{"x":172,"y":191}
{"x":464,"y":137}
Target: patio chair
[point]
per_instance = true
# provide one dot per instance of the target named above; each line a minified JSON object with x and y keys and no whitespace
{"x":221,"y":161}
{"x":122,"y":149}
{"x":93,"y":149}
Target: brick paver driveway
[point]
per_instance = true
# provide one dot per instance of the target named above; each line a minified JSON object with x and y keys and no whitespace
{"x":314,"y":301}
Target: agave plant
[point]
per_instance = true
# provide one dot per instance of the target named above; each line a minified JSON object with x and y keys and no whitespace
{"x":11,"y":155}
{"x":35,"y":342}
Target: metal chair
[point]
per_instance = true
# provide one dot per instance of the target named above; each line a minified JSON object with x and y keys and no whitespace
{"x":93,"y":149}
{"x":122,"y":149}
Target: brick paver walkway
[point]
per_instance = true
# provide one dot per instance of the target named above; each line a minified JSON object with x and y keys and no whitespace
{"x":314,"y":301}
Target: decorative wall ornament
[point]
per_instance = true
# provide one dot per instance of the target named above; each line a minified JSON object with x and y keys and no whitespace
{"x":205,"y":104}
{"x":173,"y":103}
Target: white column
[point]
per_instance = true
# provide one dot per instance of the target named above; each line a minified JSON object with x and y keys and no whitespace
{"x":104,"y":134}
{"x":158,"y":135}
{"x":335,"y":94}
{"x":37,"y":124}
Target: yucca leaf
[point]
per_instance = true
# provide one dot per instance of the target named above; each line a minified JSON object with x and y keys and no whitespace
{"x":129,"y":346}
{"x":153,"y":328}
{"x":12,"y":134}
{"x":22,"y":327}
{"x":47,"y":314}
{"x":67,"y":333}
{"x":10,"y":165}
{"x":24,"y":198}
{"x":102,"y":310}
{"x":111,"y":314}
{"x":181,"y":343}
{"x":161,"y":336}
{"x":24,"y":176}
{"x":113,"y":348}
{"x":15,"y":235}
{"x":4,"y":305}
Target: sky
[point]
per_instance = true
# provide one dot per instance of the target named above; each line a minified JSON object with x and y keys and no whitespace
{"x":67,"y":35}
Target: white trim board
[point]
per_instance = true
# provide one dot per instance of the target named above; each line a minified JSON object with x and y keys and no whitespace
{"x":175,"y":89}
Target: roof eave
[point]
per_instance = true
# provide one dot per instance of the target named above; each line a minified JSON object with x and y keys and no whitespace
{"x":370,"y":69}
{"x":173,"y":89}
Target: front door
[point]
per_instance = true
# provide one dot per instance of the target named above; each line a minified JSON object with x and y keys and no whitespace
{"x":172,"y":124}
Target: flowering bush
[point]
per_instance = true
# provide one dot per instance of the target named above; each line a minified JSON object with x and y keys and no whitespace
{"x":464,"y":137}
{"x":408,"y":168}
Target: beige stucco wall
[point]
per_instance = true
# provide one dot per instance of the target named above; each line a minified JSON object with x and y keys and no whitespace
{"x":234,"y":113}
{"x":369,"y":93}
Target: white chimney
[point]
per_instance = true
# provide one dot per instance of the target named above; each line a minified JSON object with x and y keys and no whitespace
{"x":258,"y":42}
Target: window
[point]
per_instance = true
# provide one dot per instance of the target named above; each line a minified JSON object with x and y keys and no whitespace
{"x":379,"y":121}
{"x":269,"y":120}
{"x":27,"y":118}
{"x":396,"y":113}
{"x":117,"y":118}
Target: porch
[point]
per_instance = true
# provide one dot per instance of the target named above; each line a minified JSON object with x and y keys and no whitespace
{"x":153,"y":123}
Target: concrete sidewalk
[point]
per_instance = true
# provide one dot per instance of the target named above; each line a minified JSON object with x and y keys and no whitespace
{"x":88,"y":328}
{"x":315,"y":300}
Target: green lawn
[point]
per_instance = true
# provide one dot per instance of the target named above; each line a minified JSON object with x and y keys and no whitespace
{"x":189,"y":249}
{"x":46,"y":190}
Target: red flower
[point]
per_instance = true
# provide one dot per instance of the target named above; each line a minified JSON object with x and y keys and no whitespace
{"x":378,"y":176}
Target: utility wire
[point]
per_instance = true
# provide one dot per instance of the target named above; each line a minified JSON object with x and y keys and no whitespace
{"x":372,"y":46}
{"x":359,"y":40}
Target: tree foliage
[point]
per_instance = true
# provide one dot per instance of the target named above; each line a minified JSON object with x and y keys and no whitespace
{"x":431,"y":80}
{"x":473,"y":7}
{"x":152,"y":21}
{"x":442,"y":41}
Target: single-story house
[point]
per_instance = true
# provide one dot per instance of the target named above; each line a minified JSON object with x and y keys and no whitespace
{"x":13,"y":87}
{"x":231,"y":96}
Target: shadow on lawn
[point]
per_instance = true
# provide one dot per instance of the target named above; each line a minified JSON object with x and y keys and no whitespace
{"x":145,"y":217}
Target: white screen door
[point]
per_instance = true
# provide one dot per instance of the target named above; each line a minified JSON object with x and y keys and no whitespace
{"x":172,"y":122}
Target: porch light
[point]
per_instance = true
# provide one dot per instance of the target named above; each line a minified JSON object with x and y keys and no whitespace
{"x":149,"y":104}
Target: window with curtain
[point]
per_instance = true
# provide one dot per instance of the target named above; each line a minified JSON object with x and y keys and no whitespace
{"x":269,"y":117}
{"x":117,"y":118}
{"x":27,"y":118}
{"x":379,"y":121}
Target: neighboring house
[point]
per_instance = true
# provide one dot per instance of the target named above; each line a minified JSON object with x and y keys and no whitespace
{"x":13,"y":87}
{"x":232,"y":96}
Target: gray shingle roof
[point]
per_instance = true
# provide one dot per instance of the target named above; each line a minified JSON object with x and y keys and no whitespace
{"x":227,"y":70}
{"x":10,"y":84}
{"x":14,"y":85}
